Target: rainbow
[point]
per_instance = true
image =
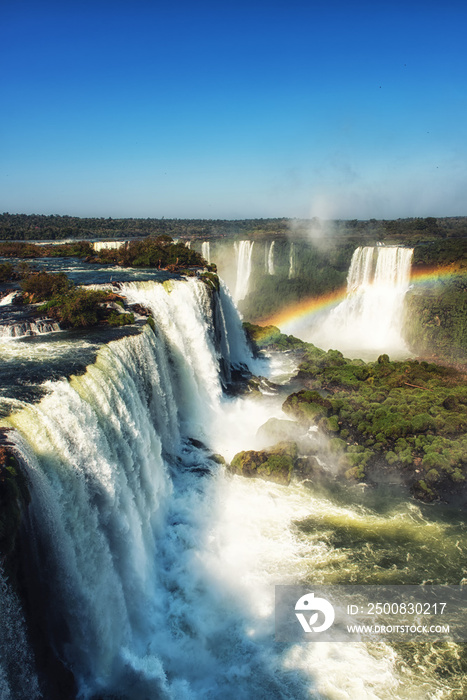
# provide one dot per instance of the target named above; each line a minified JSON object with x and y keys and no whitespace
{"x":434,"y":274}
{"x":312,"y":306}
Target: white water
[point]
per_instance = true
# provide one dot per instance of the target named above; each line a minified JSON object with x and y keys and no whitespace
{"x":292,"y":261}
{"x":107,"y":245}
{"x":243,"y":252}
{"x":206,"y":251}
{"x":8,"y":299}
{"x":27,"y":328}
{"x":270,"y":259}
{"x":162,"y":578}
{"x":369,"y":320}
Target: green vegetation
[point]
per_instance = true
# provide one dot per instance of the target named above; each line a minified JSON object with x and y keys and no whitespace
{"x":275,"y":464}
{"x":441,"y":253}
{"x":77,"y":249}
{"x":40,"y":227}
{"x":411,"y":414}
{"x":117,"y":319}
{"x":271,"y":337}
{"x":436,"y":319}
{"x":44,"y":285}
{"x":211,"y":279}
{"x":7,"y":272}
{"x":77,"y":308}
{"x":158,"y":252}
{"x":405,"y":416}
{"x":72,"y":307}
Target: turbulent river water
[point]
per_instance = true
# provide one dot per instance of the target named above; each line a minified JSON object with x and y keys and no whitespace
{"x":160,"y":566}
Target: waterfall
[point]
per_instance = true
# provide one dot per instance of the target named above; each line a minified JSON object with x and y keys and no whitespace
{"x":206,"y":251}
{"x":18,"y":678}
{"x":292,"y":261}
{"x":160,"y":568}
{"x":243,"y":252}
{"x":369,"y":320}
{"x":27,"y":328}
{"x":270,"y":259}
{"x":107,"y":245}
{"x":104,"y":453}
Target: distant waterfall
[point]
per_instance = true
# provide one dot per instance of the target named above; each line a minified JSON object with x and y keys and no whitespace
{"x":206,"y":251}
{"x":107,"y":245}
{"x":243,"y":251}
{"x":270,"y":259}
{"x":369,"y":320}
{"x":292,"y":261}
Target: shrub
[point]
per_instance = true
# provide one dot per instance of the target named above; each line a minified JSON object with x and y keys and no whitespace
{"x":44,"y":285}
{"x":117,"y":319}
{"x":78,"y":308}
{"x":6,"y":272}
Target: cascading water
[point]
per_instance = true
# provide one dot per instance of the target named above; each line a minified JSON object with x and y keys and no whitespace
{"x":369,"y":320}
{"x":243,"y":252}
{"x":160,"y":567}
{"x":8,"y":298}
{"x":292,"y":261}
{"x":27,"y":328}
{"x":206,"y":251}
{"x":270,"y":259}
{"x":107,"y":245}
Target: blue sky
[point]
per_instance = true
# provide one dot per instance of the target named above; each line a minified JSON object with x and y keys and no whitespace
{"x":234,"y":109}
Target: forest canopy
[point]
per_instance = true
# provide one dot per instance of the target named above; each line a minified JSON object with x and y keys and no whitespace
{"x":30,"y":227}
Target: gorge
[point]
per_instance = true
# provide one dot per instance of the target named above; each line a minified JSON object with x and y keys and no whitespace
{"x":153,"y":567}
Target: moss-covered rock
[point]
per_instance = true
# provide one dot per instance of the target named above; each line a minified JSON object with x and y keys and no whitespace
{"x":211,"y":280}
{"x":435,"y":321}
{"x":307,"y":406}
{"x":406,"y":417}
{"x":275,"y":464}
{"x":270,"y":337}
{"x":277,"y":430}
{"x":120,"y":319}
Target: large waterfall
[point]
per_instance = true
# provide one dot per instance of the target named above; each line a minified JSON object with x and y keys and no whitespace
{"x":115,"y":523}
{"x":243,"y":252}
{"x":158,"y":567}
{"x":368,"y":321}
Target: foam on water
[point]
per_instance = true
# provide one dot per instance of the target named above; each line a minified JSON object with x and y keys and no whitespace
{"x":161,"y":566}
